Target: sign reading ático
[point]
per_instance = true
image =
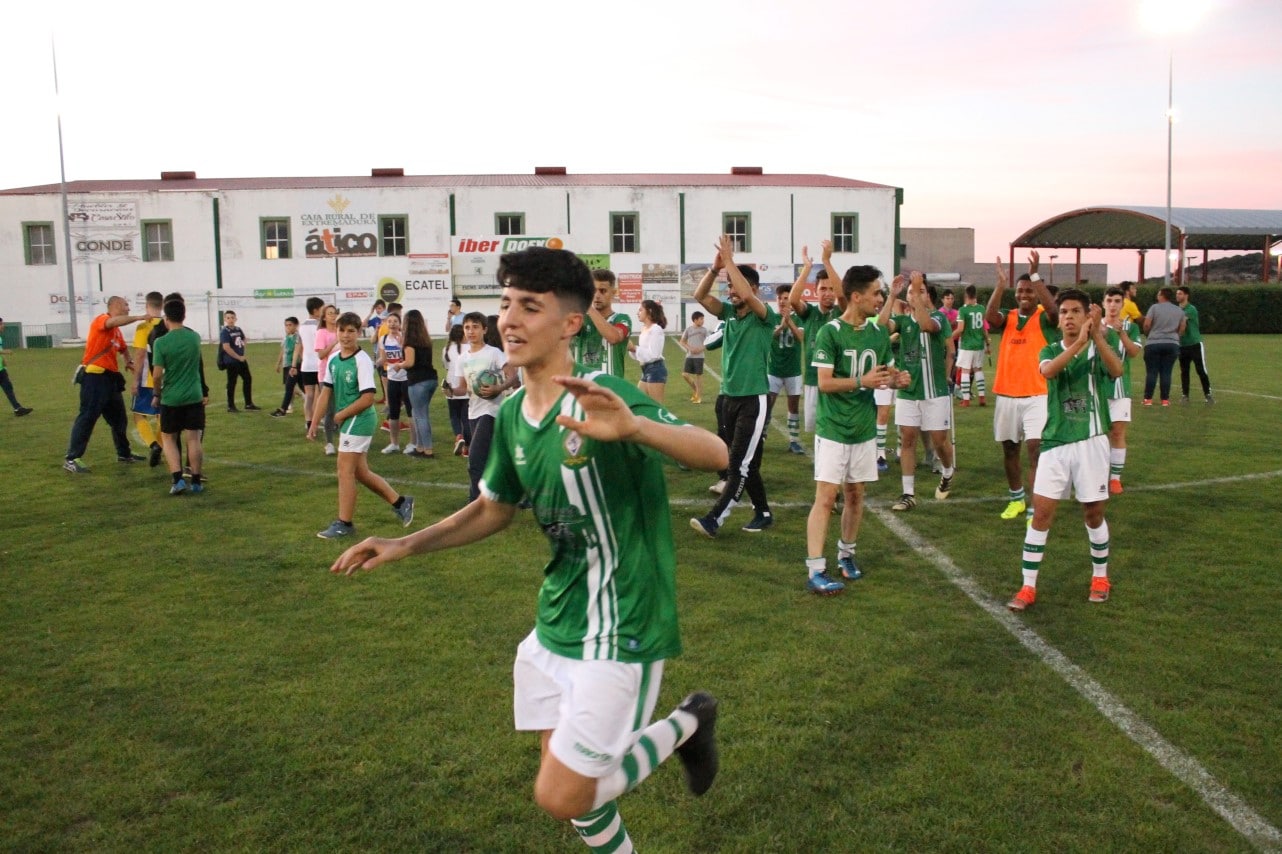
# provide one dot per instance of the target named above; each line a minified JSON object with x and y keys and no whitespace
{"x":340,"y":234}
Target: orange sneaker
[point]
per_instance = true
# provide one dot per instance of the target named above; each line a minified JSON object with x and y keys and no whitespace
{"x":1099,"y":590}
{"x":1025,"y":597}
{"x":983,"y":401}
{"x":1114,"y":486}
{"x":965,"y":403}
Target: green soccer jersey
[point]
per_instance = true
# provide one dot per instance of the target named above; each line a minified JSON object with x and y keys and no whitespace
{"x":1121,"y":387}
{"x":1193,"y":329}
{"x":609,"y":590}
{"x":922,"y":355}
{"x":785,"y":353}
{"x":811,"y":322}
{"x":178,"y":352}
{"x":849,"y":417}
{"x":1076,"y":406}
{"x":971,"y":318}
{"x":591,"y":351}
{"x":287,"y":349}
{"x":747,"y":351}
{"x":349,"y":377}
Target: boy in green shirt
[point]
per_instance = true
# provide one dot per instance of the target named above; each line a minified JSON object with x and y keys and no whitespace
{"x":1191,"y":350}
{"x":1079,"y":370}
{"x":784,"y":369}
{"x":348,"y":376}
{"x":586,"y":449}
{"x":284,"y":361}
{"x":178,"y":386}
{"x":602,"y":343}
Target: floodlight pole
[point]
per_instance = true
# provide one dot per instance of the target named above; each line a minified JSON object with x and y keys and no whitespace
{"x":66,"y":213}
{"x":1170,"y":125}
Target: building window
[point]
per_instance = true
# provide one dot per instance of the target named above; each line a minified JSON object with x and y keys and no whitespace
{"x":393,"y":234}
{"x":845,"y":232}
{"x":157,"y":240}
{"x":275,"y":238}
{"x":38,"y":243}
{"x":624,"y":232}
{"x":739,"y":227}
{"x":509,"y":223}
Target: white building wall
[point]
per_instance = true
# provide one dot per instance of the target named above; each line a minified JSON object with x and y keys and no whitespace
{"x":783,"y":220}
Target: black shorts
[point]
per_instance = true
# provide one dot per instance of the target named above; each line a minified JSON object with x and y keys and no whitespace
{"x":175,"y":419}
{"x":308,"y":378}
{"x":693,"y":365}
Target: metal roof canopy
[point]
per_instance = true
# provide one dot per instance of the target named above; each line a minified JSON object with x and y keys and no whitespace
{"x":1138,"y":227}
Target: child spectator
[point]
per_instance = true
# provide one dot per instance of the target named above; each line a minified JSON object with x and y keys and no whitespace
{"x":457,"y":404}
{"x":284,"y":366}
{"x":391,"y":358}
{"x":347,"y":378}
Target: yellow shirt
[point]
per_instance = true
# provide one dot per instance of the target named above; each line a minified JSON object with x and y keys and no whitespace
{"x":1130,"y":311}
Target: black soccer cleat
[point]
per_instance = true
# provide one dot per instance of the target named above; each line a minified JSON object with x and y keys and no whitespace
{"x":699,"y":752}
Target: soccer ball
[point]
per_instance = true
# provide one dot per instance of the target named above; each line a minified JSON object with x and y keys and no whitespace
{"x":489,"y":376}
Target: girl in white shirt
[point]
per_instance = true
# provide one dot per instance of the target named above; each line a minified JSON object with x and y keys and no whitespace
{"x":649,"y":349}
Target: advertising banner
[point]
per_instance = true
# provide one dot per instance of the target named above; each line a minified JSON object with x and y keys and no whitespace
{"x":476,"y":260}
{"x":339,"y":232}
{"x":104,"y":232}
{"x":661,"y":283}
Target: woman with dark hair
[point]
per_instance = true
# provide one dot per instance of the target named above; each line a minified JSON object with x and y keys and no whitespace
{"x":649,"y":349}
{"x":421,"y":374}
{"x":457,"y":403}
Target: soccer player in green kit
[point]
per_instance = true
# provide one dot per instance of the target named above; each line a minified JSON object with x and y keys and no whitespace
{"x":586,"y":449}
{"x":810,"y":318}
{"x":602,"y":343}
{"x":1079,"y":370}
{"x":972,"y":345}
{"x":852,"y":357}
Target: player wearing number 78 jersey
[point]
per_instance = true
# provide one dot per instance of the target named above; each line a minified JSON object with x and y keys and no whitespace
{"x":852,"y":358}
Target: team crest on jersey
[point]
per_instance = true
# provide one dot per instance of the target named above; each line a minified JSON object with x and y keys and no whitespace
{"x":573,"y":447}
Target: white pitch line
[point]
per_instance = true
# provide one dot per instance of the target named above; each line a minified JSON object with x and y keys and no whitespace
{"x":1246,"y":393}
{"x":1213,"y":793}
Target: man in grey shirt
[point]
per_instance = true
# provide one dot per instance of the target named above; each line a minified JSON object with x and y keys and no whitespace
{"x":1163,"y":325}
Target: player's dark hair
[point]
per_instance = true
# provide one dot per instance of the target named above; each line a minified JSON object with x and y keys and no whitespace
{"x":971,"y":292}
{"x":697,"y":315}
{"x":1024,"y":277}
{"x":175,"y":311}
{"x":948,"y":292}
{"x":783,"y":289}
{"x":416,"y":330}
{"x":378,"y":303}
{"x":559,"y":272}
{"x":656,"y":313}
{"x":1115,"y":291}
{"x":456,"y":333}
{"x":349,"y":320}
{"x":292,"y":319}
{"x":932,"y":293}
{"x":858,"y":278}
{"x":314,"y":303}
{"x":1185,"y":290}
{"x":394,"y":308}
{"x":1168,"y":293}
{"x":174,"y":296}
{"x":1073,"y":295}
{"x":456,"y":302}
{"x":821,"y":275}
{"x":491,"y":335}
{"x":474,"y":317}
{"x":155,"y":298}
{"x":753,"y":277}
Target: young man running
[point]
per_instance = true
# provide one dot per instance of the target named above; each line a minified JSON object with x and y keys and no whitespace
{"x":1020,"y":411}
{"x":587,"y":450}
{"x":852,"y":356}
{"x":1074,"y":456}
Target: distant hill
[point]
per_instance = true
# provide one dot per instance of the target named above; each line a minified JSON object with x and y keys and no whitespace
{"x":1235,"y":268}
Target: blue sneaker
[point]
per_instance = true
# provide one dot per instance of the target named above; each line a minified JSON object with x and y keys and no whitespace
{"x":795,"y":448}
{"x":337,"y":529}
{"x":704,"y":526}
{"x":822,"y":585}
{"x":178,"y":488}
{"x":882,"y":465}
{"x":406,"y":511}
{"x":849,"y":569}
{"x":196,"y":488}
{"x":759,"y":523}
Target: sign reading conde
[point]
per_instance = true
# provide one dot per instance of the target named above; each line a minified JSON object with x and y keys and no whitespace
{"x":103,"y":232}
{"x":339,"y":234}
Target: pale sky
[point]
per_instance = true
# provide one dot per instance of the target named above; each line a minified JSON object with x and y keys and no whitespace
{"x":991,"y":115}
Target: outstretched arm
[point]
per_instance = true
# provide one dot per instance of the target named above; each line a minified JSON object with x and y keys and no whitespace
{"x":478,"y":520}
{"x":703,"y":291}
{"x":993,"y":312}
{"x":608,"y":419}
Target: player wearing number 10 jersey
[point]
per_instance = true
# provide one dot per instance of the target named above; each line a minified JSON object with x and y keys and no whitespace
{"x":852,"y":357}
